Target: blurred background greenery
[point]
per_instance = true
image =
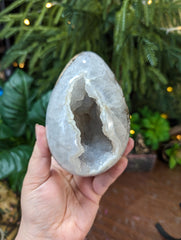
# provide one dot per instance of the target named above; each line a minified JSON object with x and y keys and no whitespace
{"x":139,"y":39}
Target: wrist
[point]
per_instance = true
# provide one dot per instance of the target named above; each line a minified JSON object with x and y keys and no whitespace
{"x":31,"y":232}
{"x":27,"y":233}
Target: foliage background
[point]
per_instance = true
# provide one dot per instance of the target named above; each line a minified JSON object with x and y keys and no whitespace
{"x":139,"y":40}
{"x":134,"y":37}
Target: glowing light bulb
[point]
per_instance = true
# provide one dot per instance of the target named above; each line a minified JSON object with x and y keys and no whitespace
{"x":164,"y":115}
{"x":169,"y":89}
{"x":27,"y":21}
{"x":130,"y":116}
{"x":15,"y":64}
{"x":178,"y":137}
{"x":1,"y":91}
{"x":49,"y":5}
{"x":149,"y":2}
{"x":21,"y":65}
{"x":69,"y":22}
{"x":132,"y":131}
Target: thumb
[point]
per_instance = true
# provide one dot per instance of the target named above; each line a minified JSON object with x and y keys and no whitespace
{"x":39,"y":165}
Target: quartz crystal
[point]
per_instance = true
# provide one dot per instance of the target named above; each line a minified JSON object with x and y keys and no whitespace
{"x":87,"y":120}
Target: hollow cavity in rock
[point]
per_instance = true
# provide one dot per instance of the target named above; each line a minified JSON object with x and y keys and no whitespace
{"x":97,"y":146}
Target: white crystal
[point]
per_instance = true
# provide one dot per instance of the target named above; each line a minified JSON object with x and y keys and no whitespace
{"x":87,"y":121}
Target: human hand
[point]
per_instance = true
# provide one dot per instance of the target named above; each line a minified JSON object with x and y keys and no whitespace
{"x":56,"y":204}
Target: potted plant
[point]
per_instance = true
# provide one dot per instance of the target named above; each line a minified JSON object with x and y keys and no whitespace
{"x":171,"y":153}
{"x":148,"y":129}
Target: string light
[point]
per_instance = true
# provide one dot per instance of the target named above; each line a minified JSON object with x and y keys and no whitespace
{"x":21,"y":65}
{"x":164,"y":115}
{"x":1,"y":91}
{"x":132,"y":131}
{"x":178,"y":137}
{"x":69,"y":22}
{"x":15,"y":64}
{"x":27,"y":21}
{"x":169,"y":89}
{"x":130,"y":116}
{"x":49,"y":5}
{"x":149,"y":2}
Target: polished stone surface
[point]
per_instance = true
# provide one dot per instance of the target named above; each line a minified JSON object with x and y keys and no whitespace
{"x":87,"y":118}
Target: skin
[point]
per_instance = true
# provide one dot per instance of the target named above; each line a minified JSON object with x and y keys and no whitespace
{"x":56,"y":204}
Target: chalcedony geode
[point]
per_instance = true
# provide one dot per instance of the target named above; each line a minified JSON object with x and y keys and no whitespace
{"x":87,"y":120}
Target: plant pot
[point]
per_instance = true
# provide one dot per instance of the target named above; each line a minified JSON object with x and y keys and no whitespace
{"x":141,"y":162}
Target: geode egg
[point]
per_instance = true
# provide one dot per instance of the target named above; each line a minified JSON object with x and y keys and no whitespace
{"x":87,"y":120}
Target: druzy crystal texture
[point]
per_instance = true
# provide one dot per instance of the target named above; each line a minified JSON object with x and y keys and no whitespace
{"x":87,"y":120}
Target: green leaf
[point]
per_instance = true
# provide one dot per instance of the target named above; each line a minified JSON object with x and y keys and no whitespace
{"x":13,"y":163}
{"x":15,"y":101}
{"x":120,"y":25}
{"x":146,"y":13}
{"x":169,"y":151}
{"x":12,"y":6}
{"x":150,"y":52}
{"x":160,"y":77}
{"x":14,"y":160}
{"x":6,"y":144}
{"x":38,"y":111}
{"x":124,"y":11}
{"x":91,"y":6}
{"x":172,"y":162}
{"x":5,"y":131}
{"x":179,"y":161}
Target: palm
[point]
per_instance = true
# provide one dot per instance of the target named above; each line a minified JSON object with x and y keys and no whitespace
{"x":77,"y":210}
{"x":56,"y":204}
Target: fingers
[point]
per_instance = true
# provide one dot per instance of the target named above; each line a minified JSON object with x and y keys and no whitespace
{"x":102,"y":182}
{"x":39,"y":164}
{"x":129,"y":147}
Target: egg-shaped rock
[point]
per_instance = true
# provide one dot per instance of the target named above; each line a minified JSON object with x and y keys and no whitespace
{"x":87,"y":120}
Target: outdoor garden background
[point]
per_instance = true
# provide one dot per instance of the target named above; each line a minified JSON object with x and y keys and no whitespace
{"x":139,"y":39}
